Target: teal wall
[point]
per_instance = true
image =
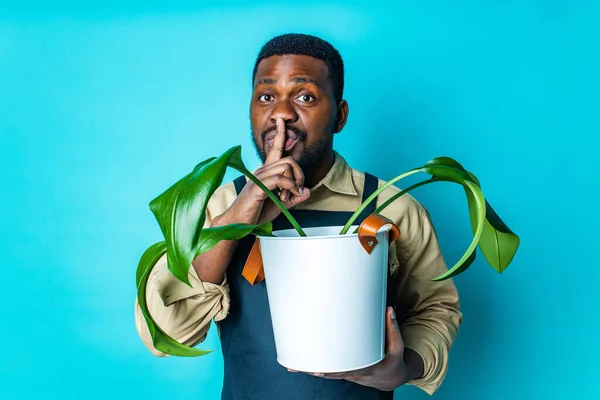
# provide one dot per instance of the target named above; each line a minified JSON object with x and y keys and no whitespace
{"x":103,"y":106}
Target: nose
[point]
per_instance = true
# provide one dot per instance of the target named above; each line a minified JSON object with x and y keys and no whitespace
{"x":284,"y":109}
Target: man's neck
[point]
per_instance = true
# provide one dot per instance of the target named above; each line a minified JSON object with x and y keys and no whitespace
{"x":322,"y":168}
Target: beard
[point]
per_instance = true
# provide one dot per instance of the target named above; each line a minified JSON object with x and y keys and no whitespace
{"x":309,"y":159}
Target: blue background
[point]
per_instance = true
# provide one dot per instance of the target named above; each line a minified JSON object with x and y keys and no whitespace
{"x":103,"y":106}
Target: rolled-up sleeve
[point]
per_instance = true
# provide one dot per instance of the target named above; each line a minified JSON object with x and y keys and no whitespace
{"x":182,"y":312}
{"x":429,"y":312}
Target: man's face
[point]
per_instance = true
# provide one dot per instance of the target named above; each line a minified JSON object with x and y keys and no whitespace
{"x":297,"y":89}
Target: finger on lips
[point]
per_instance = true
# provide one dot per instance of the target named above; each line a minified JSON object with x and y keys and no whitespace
{"x":278,"y":143}
{"x":276,"y":152}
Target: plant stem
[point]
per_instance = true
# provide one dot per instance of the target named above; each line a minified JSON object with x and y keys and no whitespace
{"x":374,"y":196}
{"x":274,"y":198}
{"x":480,"y":218}
{"x":389,"y":201}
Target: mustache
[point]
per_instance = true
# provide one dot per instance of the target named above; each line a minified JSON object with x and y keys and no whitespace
{"x":299,"y":132}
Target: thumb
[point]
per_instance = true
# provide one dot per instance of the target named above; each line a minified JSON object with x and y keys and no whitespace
{"x":394,"y":343}
{"x":294,"y":200}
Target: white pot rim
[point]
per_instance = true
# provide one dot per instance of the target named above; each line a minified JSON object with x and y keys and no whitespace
{"x":349,"y":234}
{"x":307,"y":237}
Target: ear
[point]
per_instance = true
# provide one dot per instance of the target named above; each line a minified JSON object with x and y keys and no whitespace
{"x":341,"y":117}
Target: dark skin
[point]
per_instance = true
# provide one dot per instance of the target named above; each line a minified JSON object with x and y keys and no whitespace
{"x":294,"y":116}
{"x":296,"y":89}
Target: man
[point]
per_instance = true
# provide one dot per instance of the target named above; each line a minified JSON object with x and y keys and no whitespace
{"x":296,"y":109}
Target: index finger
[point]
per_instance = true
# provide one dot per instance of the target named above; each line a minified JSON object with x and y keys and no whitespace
{"x":276,"y":151}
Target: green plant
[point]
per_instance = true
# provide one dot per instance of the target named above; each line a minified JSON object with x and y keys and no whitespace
{"x":180,"y":212}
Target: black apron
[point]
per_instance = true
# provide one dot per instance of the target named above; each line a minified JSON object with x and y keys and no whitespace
{"x":247,"y":341}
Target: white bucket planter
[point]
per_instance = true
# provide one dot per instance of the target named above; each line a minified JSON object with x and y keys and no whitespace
{"x":327,"y":298}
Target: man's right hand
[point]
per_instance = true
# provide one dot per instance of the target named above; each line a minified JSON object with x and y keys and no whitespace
{"x":252,"y":206}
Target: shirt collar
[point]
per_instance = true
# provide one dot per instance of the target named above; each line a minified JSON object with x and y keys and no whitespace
{"x":339,"y":178}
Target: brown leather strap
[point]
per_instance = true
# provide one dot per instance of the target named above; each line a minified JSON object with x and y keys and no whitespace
{"x":367,"y":231}
{"x":253,"y":269}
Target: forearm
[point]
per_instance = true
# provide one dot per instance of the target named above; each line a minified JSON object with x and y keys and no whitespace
{"x":211,"y":265}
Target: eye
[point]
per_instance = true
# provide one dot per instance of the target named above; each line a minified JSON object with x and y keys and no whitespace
{"x":306,"y":98}
{"x":265,"y":98}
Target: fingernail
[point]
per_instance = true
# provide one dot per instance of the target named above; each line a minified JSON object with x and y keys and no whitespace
{"x":300,"y":190}
{"x":393,"y":314}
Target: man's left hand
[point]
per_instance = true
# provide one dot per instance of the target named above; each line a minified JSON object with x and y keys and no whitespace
{"x":389,"y":373}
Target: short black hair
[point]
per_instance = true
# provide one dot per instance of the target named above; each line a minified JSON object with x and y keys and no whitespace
{"x":307,"y":45}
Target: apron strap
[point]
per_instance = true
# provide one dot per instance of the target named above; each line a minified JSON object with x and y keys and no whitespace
{"x":371,"y":185}
{"x":239,"y":183}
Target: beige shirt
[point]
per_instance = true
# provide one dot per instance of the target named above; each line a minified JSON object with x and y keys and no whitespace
{"x":427,"y":312}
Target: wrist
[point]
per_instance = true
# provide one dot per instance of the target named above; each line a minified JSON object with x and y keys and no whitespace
{"x":231,"y":217}
{"x":220,"y":220}
{"x":224,"y":219}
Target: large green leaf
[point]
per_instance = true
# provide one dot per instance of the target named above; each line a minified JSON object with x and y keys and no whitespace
{"x":160,"y":339}
{"x":498,"y":243}
{"x":181,"y":211}
{"x":476,"y":211}
{"x":163,"y":208}
{"x":452,"y":163}
{"x":209,"y":237}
